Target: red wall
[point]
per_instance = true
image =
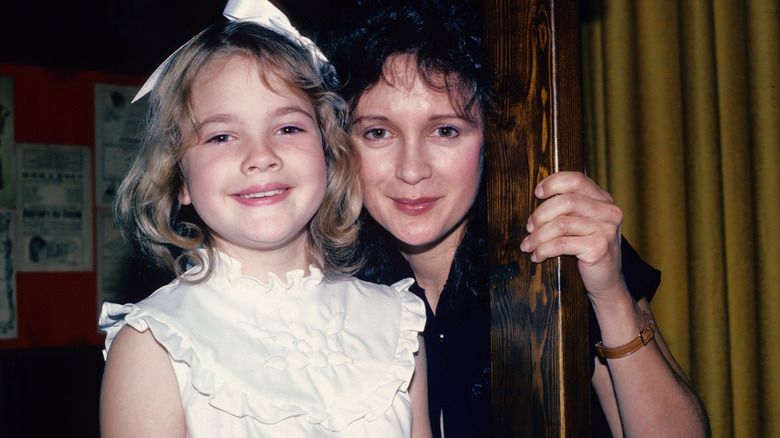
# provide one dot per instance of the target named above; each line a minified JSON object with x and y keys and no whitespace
{"x":57,"y":107}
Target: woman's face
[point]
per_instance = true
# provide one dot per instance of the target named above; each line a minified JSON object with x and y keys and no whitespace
{"x":421,"y":161}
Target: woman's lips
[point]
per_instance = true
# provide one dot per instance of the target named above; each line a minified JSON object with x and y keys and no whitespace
{"x":414,"y":207}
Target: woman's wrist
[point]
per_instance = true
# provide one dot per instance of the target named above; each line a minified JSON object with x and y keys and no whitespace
{"x":619,"y":317}
{"x":646,"y":335}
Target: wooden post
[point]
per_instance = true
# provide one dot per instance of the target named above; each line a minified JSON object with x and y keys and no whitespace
{"x":541,"y":379}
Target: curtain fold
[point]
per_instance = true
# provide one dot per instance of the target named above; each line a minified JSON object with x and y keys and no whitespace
{"x":682,"y":126}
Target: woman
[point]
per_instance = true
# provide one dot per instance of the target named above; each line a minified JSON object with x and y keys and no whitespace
{"x":417,"y":88}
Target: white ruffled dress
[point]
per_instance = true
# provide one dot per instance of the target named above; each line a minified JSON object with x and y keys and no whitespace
{"x":301,"y":357}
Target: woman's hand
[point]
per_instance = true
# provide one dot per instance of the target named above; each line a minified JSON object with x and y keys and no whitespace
{"x":646,"y":391}
{"x":578,"y":218}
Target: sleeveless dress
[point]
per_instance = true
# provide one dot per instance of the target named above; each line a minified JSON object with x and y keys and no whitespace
{"x":299,"y":357}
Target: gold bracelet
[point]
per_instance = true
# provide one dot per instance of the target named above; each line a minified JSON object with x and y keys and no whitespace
{"x":645,"y":336}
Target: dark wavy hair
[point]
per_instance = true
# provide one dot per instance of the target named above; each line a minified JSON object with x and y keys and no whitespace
{"x":445,"y":38}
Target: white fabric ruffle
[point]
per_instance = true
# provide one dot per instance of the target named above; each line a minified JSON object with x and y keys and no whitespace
{"x":327,"y":352}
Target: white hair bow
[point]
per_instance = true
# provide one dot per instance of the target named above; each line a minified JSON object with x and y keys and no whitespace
{"x":261,"y":12}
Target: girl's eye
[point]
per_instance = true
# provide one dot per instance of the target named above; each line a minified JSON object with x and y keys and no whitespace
{"x":220,"y":138}
{"x":376,"y":134}
{"x":287,"y":130}
{"x":446,"y":131}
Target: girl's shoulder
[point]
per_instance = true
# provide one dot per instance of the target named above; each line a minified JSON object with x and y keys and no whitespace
{"x":398,"y":286}
{"x":373,"y":297}
{"x":374,"y":291}
{"x":131,"y":391}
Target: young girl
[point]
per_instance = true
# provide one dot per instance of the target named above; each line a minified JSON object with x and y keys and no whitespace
{"x":246,"y":186}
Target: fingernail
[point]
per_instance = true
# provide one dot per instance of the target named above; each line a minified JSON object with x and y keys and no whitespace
{"x":529,"y":226}
{"x":539,"y":191}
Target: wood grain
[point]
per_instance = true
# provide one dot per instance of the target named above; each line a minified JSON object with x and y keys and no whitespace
{"x":541,"y":381}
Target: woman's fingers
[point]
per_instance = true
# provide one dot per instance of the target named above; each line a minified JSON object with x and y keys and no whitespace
{"x":597,"y":252}
{"x":571,"y":182}
{"x":585,"y":238}
{"x":572,"y":194}
{"x":579,"y":219}
{"x":574,"y":205}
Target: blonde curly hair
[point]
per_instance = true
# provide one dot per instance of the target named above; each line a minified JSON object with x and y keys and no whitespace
{"x":147,"y":209}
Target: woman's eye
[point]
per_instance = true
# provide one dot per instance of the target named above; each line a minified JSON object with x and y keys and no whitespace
{"x":221,"y":138}
{"x":446,"y":131}
{"x":376,"y":133}
{"x":287,"y":130}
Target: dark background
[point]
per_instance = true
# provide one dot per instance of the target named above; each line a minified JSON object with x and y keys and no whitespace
{"x":118,"y":36}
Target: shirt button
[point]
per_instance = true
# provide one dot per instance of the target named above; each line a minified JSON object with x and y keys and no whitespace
{"x":441,"y":337}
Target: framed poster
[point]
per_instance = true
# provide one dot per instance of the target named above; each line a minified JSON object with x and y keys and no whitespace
{"x":118,"y":130}
{"x":54,"y":208}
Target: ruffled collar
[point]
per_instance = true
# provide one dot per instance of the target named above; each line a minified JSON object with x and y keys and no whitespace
{"x":228,"y":273}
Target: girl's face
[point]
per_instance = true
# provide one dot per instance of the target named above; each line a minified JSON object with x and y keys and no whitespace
{"x":255,"y":172}
{"x":421,"y":161}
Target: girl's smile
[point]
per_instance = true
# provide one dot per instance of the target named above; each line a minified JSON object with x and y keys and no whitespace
{"x":267,"y":194}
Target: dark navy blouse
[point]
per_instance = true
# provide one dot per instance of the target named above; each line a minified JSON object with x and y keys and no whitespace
{"x":457,"y":336}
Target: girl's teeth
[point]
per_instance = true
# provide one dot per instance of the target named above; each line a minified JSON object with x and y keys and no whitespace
{"x":262,"y":195}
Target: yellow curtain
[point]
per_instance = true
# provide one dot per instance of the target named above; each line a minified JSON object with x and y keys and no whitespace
{"x":682,"y":126}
